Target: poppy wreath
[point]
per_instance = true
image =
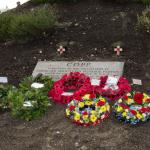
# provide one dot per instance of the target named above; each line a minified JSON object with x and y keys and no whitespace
{"x":74,"y":81}
{"x":133,"y":108}
{"x":110,"y":90}
{"x":89,"y":110}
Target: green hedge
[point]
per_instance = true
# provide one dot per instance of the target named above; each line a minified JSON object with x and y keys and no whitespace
{"x":53,"y":1}
{"x":28,"y":25}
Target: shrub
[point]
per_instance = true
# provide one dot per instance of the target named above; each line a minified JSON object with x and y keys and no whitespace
{"x":53,"y":1}
{"x":30,"y":25}
{"x":144,"y":20}
{"x":5,"y":22}
{"x":145,"y":1}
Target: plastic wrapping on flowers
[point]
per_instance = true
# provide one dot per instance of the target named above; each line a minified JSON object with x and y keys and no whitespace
{"x":89,"y":110}
{"x":133,"y":108}
{"x":74,"y":81}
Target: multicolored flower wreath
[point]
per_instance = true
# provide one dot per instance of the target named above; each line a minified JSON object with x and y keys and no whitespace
{"x":113,"y":88}
{"x":90,"y":110}
{"x":68,"y":87}
{"x":133,"y":108}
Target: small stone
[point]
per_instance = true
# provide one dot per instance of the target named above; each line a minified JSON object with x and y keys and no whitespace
{"x":76,"y":24}
{"x":95,"y":49}
{"x":58,"y":132}
{"x":72,"y":43}
{"x":40,"y":52}
{"x":83,"y":33}
{"x":76,"y":144}
{"x":147,"y":75}
{"x":92,"y":55}
{"x":83,"y":147}
{"x":14,"y":58}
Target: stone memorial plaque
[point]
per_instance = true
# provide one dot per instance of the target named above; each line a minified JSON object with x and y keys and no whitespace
{"x":94,"y":69}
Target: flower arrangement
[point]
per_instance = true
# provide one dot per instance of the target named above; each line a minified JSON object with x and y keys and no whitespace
{"x":133,"y":108}
{"x":113,"y":88}
{"x":74,"y":82}
{"x":89,"y":110}
{"x":28,"y":105}
{"x":30,"y":100}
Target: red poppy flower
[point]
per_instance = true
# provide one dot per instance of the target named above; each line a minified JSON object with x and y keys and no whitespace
{"x":133,"y":112}
{"x":148,"y":100}
{"x":100,"y":103}
{"x":124,"y":106}
{"x":92,"y":96}
{"x":72,"y":107}
{"x":138,"y":98}
{"x":125,"y":97}
{"x":85,"y":113}
{"x":143,"y":110}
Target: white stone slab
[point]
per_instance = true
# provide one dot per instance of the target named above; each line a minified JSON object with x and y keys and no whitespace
{"x":94,"y":69}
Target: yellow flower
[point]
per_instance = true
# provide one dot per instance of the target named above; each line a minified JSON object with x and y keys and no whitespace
{"x":145,"y":97}
{"x":108,"y":107}
{"x":124,"y":114}
{"x":129,"y":101}
{"x":93,"y":112}
{"x":139,"y":116}
{"x":102,"y":99}
{"x":103,"y":108}
{"x":88,"y":103}
{"x":87,"y":96}
{"x":67,"y":112}
{"x":119,"y":109}
{"x":93,"y":118}
{"x":85,"y":117}
{"x":77,"y":117}
{"x":81,"y":104}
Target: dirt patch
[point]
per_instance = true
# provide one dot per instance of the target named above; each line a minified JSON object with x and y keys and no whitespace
{"x":94,"y":27}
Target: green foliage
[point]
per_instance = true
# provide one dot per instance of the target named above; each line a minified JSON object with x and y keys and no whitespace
{"x":144,"y":20}
{"x":5,"y":22}
{"x":26,"y":83}
{"x":4,"y":101}
{"x":39,"y":104}
{"x":27,"y":25}
{"x":30,"y":25}
{"x":145,"y":1}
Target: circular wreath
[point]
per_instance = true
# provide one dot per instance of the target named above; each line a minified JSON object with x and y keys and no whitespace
{"x":28,"y":105}
{"x":73,"y":82}
{"x":90,"y":110}
{"x":111,"y":90}
{"x":133,"y":108}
